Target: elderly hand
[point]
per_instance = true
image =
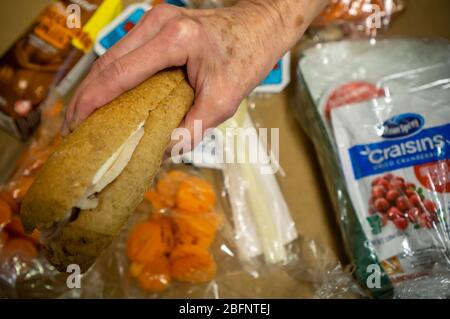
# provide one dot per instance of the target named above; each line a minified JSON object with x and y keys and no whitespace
{"x":227,"y":52}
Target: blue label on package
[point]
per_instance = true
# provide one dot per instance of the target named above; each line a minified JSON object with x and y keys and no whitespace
{"x":180,"y":3}
{"x":275,"y":76}
{"x":122,"y":29}
{"x":430,"y":145}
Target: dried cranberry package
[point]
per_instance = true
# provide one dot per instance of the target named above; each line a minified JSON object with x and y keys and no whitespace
{"x":378,"y":113}
{"x":395,"y":155}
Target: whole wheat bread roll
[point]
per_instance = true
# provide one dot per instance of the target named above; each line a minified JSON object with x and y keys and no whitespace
{"x":97,"y":177}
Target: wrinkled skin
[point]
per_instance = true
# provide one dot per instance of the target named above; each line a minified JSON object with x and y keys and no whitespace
{"x":227,"y":51}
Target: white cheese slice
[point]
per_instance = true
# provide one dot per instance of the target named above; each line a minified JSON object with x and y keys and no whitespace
{"x":111,"y":169}
{"x":106,"y":174}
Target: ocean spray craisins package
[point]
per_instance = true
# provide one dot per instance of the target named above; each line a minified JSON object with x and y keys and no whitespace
{"x":395,"y":154}
{"x":343,"y":74}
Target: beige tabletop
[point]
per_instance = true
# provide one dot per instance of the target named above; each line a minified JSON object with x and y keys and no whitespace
{"x":302,"y":184}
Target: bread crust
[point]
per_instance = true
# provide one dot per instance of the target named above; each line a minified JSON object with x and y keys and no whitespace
{"x":161,"y":103}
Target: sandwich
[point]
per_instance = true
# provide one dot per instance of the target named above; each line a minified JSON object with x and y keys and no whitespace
{"x":89,"y":187}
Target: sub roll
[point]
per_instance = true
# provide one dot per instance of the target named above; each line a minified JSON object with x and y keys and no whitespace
{"x":89,"y":187}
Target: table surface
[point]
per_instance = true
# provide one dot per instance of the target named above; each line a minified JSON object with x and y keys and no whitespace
{"x":302,"y":184}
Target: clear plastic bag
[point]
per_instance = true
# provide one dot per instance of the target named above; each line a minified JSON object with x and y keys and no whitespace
{"x":285,"y":265}
{"x":24,"y":271}
{"x":23,"y":277}
{"x":262,"y":220}
{"x":434,"y":286}
{"x":382,"y":79}
{"x":301,"y":270}
{"x":297,"y":277}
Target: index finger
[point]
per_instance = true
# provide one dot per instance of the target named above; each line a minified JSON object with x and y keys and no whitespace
{"x":167,"y":49}
{"x":146,"y":29}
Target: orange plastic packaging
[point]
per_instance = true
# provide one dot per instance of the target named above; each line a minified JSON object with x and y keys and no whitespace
{"x":21,"y":186}
{"x":5,"y":213}
{"x":13,"y":240}
{"x":19,"y":247}
{"x":42,"y":146}
{"x":3,"y":239}
{"x":7,"y":197}
{"x":15,"y":227}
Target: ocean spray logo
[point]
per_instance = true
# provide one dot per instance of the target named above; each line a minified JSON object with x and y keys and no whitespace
{"x":401,"y":125}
